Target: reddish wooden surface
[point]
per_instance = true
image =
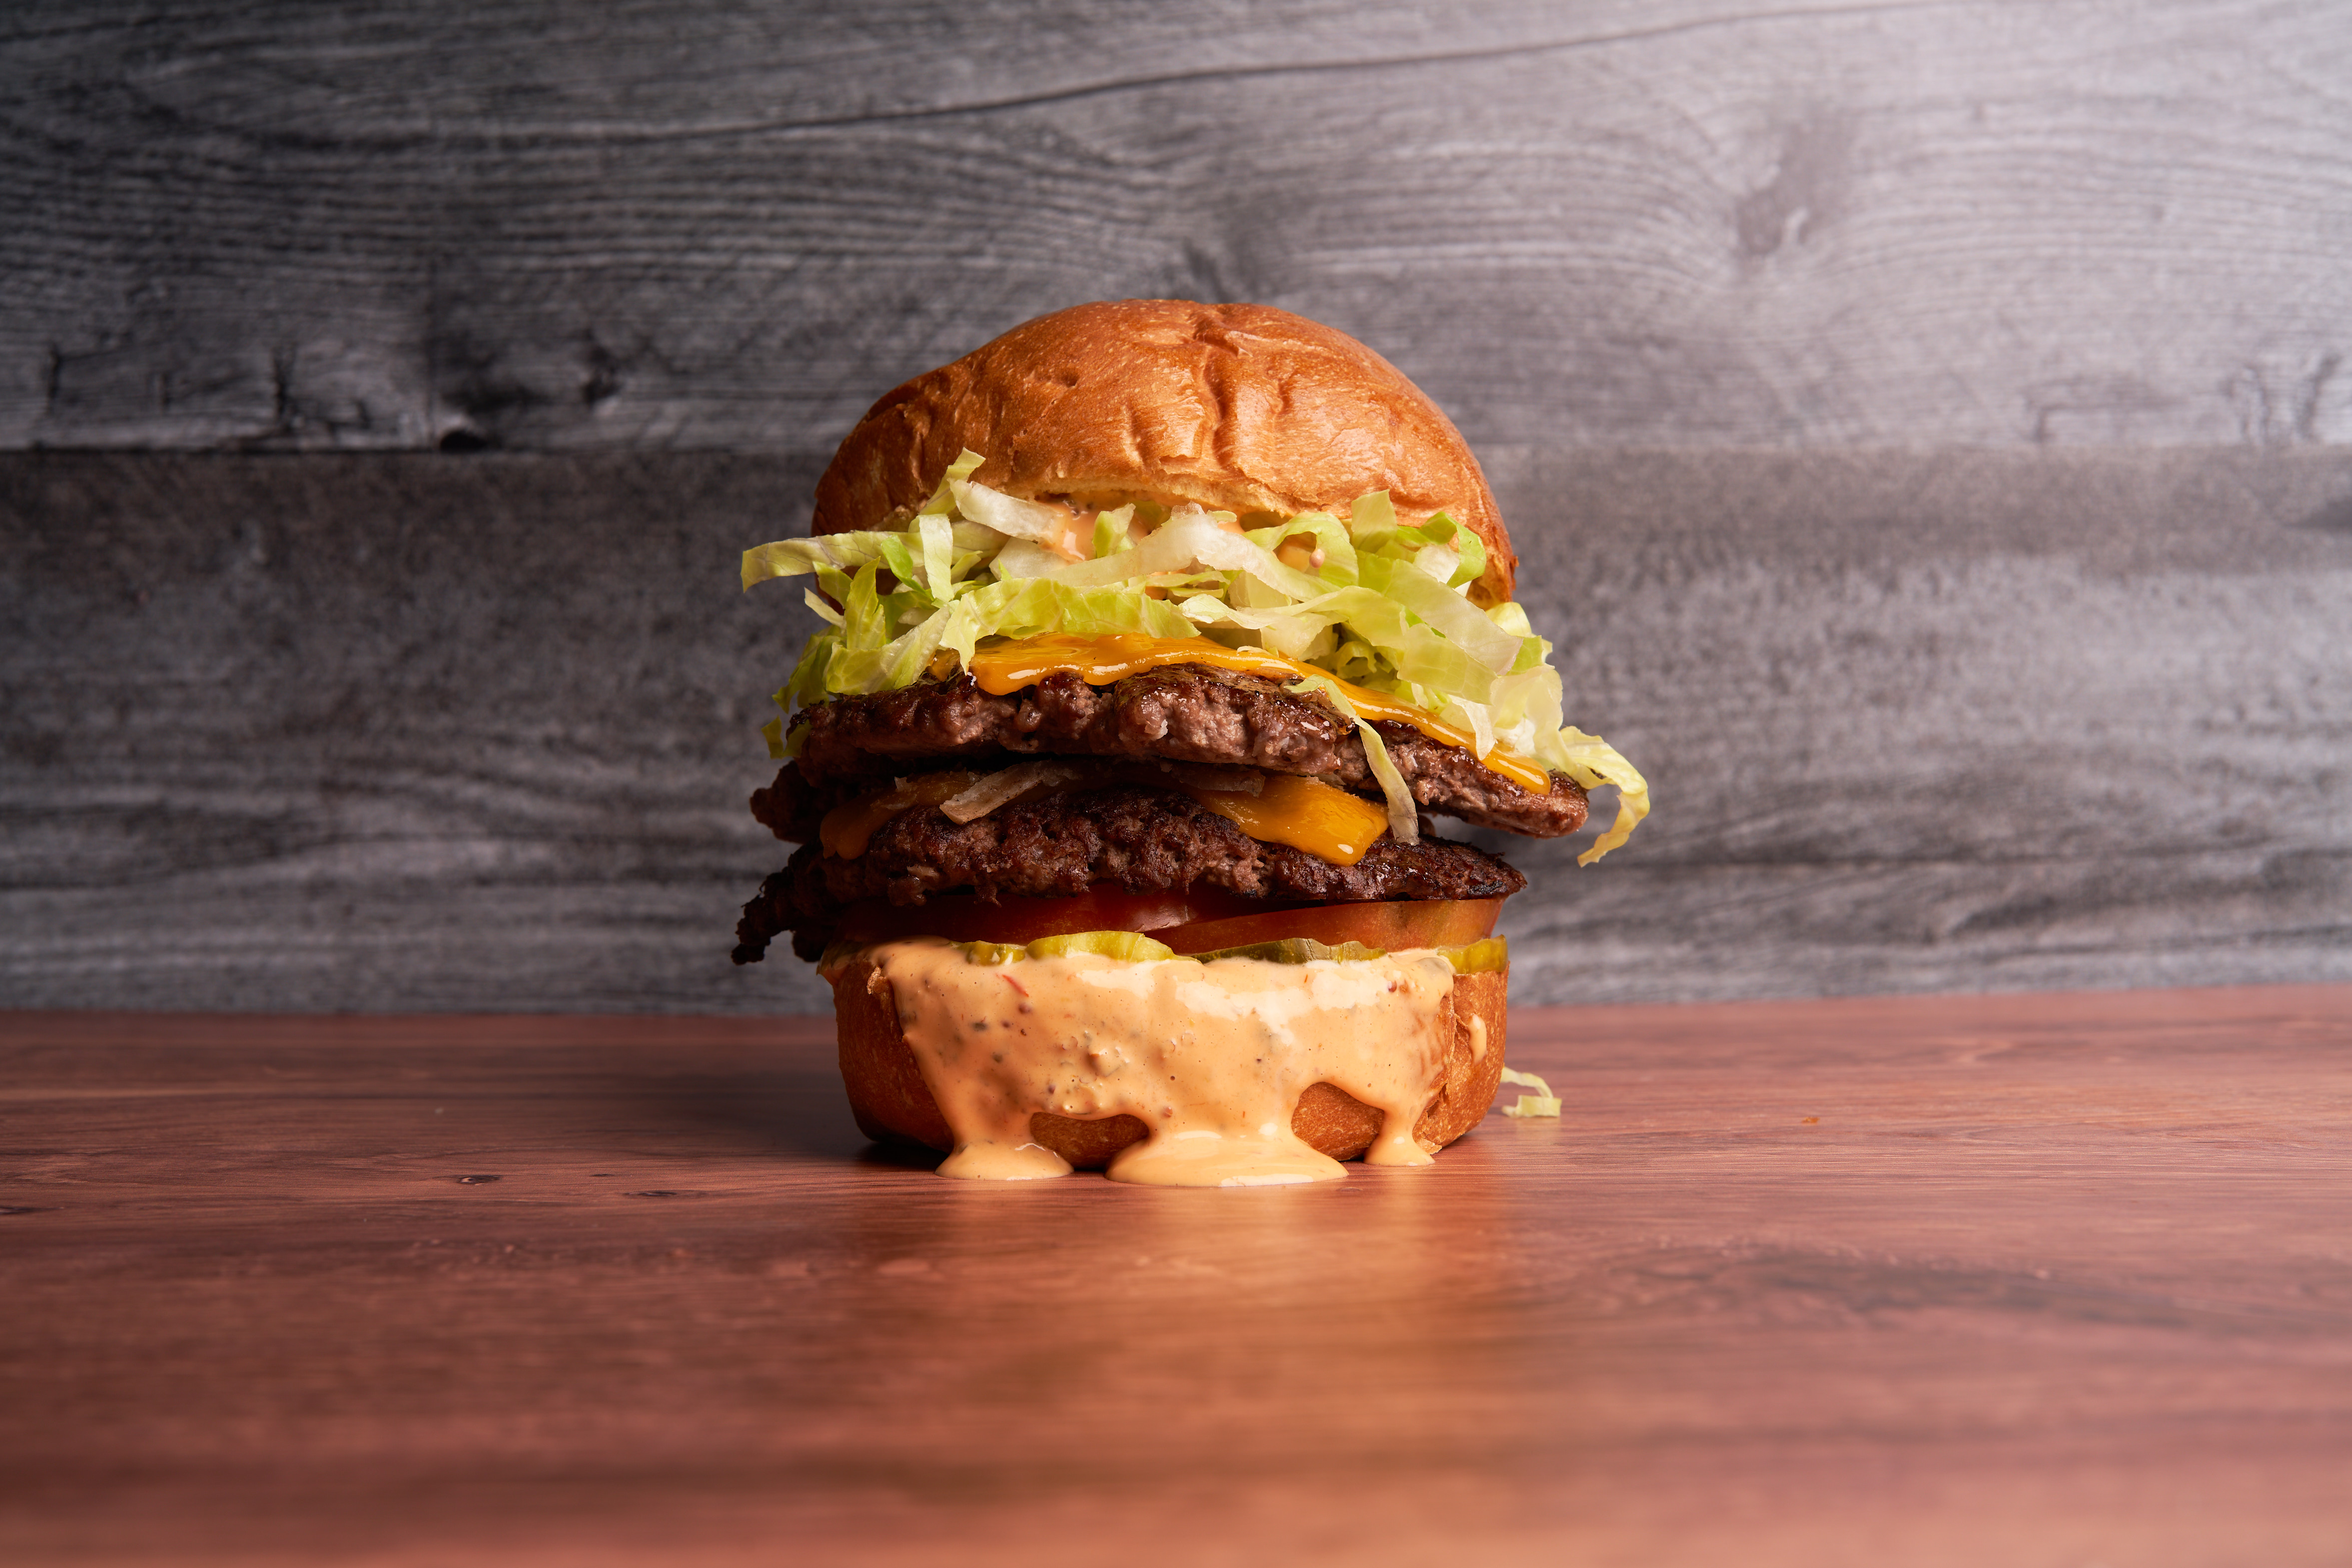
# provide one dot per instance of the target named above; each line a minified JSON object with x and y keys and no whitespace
{"x":2005,"y":1280}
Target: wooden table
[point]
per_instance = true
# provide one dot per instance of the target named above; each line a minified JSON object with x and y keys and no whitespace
{"x":2010,"y":1279}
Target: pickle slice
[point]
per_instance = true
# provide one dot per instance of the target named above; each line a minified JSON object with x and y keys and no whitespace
{"x":1487,"y":955}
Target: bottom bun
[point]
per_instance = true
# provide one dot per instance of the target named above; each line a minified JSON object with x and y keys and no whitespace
{"x":893,"y":1104}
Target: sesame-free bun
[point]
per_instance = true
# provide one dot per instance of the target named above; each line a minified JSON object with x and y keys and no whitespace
{"x":893,"y":1104}
{"x":1240,"y":409}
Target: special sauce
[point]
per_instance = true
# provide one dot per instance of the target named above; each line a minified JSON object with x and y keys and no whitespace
{"x":1211,"y":1057}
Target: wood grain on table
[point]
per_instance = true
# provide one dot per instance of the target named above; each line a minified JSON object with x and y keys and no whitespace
{"x":2028,"y":1279}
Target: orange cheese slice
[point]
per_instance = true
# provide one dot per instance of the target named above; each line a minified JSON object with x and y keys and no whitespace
{"x":1099,"y":660}
{"x":846,"y":829}
{"x":1329,"y":823}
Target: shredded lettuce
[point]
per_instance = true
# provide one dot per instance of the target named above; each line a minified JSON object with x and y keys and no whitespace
{"x":1379,"y":603}
{"x":1542,"y":1102}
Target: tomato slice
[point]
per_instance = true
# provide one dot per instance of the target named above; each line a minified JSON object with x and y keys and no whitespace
{"x":1426,"y":922}
{"x":967,"y":917}
{"x":1197,"y":921}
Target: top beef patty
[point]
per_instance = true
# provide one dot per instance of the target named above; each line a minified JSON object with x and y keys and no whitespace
{"x":1192,"y":713}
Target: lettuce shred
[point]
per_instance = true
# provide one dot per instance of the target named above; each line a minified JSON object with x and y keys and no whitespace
{"x":1380,"y":603}
{"x":1542,"y":1102}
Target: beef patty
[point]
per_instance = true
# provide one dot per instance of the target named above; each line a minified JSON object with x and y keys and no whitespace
{"x":1131,"y":836}
{"x":1190,"y":713}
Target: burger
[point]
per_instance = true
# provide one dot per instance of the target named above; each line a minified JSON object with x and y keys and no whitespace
{"x":1157,"y":635}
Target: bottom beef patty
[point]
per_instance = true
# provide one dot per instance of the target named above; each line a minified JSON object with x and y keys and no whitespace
{"x":1131,"y":836}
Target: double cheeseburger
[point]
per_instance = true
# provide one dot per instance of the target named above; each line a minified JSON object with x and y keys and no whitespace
{"x":1158,"y":634}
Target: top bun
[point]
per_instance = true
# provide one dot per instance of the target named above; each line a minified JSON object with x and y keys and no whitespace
{"x":1240,"y":409}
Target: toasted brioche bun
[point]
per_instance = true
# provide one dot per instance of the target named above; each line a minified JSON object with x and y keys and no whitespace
{"x":892,"y":1103}
{"x":1240,"y":409}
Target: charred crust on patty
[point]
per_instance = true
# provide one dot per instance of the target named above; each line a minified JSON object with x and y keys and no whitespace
{"x":852,"y":746}
{"x":1131,"y":838}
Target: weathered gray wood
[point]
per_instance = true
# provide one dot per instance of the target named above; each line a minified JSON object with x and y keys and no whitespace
{"x":418,"y":732}
{"x":540,"y":225}
{"x":1950,"y":721}
{"x":386,"y":733}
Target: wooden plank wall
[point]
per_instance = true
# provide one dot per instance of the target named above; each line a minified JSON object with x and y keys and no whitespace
{"x":1617,"y":222}
{"x":416,"y":730}
{"x":1927,"y":425}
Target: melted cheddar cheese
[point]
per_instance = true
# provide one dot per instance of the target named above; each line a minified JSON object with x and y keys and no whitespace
{"x":1329,"y":823}
{"x":847,"y":829}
